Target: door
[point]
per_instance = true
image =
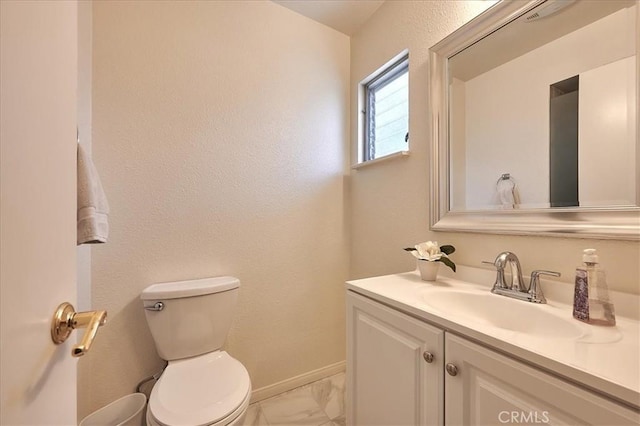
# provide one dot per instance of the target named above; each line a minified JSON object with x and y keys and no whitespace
{"x":492,"y":389}
{"x":38,"y":69}
{"x":394,"y":367}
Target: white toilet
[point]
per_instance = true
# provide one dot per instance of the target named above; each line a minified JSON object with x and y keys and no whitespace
{"x":202,"y":385}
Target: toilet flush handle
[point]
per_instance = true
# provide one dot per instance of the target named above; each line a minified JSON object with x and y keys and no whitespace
{"x":158,"y":306}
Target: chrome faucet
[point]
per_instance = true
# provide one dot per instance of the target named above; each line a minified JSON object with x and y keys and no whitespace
{"x":507,"y":258}
{"x":516,"y":288}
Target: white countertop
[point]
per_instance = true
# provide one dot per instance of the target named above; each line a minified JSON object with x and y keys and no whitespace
{"x":604,"y":359}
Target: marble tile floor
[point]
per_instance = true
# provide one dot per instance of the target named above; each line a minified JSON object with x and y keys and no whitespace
{"x":319,"y":403}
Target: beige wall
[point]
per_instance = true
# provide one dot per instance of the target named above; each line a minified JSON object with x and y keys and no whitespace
{"x":220,"y":131}
{"x":389,"y":201}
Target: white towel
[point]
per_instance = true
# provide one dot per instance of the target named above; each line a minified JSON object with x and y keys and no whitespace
{"x":93,"y":208}
{"x":508,"y":194}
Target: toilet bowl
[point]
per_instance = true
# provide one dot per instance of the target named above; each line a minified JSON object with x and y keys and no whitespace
{"x":202,"y":384}
{"x":210,"y":389}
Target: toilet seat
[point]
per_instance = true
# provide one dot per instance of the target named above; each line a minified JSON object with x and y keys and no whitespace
{"x":208,"y":389}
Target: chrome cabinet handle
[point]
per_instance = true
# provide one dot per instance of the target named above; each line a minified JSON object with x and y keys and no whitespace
{"x":158,"y":306}
{"x":428,"y":356}
{"x":451,"y":369}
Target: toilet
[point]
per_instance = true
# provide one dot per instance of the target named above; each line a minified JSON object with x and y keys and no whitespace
{"x":202,"y":384}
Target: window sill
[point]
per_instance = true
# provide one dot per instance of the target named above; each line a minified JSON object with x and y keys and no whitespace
{"x":398,"y":154}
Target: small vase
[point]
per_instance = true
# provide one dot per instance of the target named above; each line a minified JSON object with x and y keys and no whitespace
{"x":428,"y":270}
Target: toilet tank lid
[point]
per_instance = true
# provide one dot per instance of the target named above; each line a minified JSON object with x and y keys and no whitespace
{"x":189,"y":288}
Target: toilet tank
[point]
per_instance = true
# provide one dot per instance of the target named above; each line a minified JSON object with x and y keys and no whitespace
{"x":189,"y":318}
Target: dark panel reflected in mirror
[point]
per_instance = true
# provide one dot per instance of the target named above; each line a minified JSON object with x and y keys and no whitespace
{"x":563,"y":143}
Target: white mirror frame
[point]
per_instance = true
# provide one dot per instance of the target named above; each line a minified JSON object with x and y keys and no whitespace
{"x":620,"y":223}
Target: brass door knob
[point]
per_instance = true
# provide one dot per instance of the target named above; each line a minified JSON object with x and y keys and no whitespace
{"x":66,"y":319}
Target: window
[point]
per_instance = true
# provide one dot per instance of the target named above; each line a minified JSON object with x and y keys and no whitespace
{"x":386,"y":112}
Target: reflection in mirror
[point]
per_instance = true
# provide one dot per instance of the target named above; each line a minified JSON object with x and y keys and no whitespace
{"x":542,"y":111}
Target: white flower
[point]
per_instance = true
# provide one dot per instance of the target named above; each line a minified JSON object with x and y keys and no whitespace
{"x":429,"y":250}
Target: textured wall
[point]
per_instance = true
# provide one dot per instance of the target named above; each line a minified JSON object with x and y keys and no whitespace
{"x":390,"y":200}
{"x":220,"y":130}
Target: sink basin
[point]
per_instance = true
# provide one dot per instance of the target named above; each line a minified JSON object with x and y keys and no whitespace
{"x":503,"y":312}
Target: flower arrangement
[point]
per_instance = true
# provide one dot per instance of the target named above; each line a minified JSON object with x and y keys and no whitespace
{"x":431,"y":252}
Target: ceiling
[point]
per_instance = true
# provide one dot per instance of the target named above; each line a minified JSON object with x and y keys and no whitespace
{"x":346,"y":16}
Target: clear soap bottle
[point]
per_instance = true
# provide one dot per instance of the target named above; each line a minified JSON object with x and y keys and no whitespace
{"x":591,"y":302}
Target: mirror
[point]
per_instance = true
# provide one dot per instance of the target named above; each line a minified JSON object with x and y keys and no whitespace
{"x":535,"y":114}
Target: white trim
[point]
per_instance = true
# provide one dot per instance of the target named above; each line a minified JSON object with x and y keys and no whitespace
{"x":297,"y":381}
{"x":380,"y":159}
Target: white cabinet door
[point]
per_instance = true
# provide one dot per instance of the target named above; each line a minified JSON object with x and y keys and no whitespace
{"x":390,"y":381}
{"x":491,"y":389}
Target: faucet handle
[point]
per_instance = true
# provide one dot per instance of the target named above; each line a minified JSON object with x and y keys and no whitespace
{"x":499,"y":283}
{"x":536,"y":274}
{"x":535,"y":291}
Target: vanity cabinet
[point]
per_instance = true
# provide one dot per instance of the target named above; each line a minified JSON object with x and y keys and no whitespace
{"x":403,"y":371}
{"x":395,"y":367}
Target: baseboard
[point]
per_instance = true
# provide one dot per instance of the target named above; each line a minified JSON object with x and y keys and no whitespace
{"x":297,"y":381}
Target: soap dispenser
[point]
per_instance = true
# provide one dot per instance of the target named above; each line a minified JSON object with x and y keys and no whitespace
{"x":591,"y":302}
